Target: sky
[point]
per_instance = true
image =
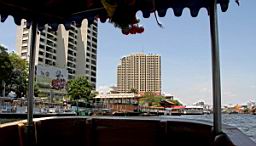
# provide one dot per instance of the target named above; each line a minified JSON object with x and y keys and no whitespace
{"x":184,"y":46}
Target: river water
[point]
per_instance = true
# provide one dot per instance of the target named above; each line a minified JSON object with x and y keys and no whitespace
{"x":246,"y":123}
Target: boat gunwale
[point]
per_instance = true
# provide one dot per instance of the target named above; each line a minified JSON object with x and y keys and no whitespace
{"x":230,"y":133}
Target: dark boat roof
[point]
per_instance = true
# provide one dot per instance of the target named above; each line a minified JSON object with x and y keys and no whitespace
{"x":55,"y":12}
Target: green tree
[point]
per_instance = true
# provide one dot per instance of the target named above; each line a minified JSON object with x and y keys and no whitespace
{"x":149,"y":94}
{"x":36,"y":90}
{"x":5,"y":66}
{"x":93,"y":94}
{"x":149,"y":99}
{"x":133,"y":90}
{"x":176,"y":102}
{"x":17,"y":80}
{"x":79,"y":88}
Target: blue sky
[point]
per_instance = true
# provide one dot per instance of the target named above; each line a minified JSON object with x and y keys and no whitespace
{"x":184,"y":44}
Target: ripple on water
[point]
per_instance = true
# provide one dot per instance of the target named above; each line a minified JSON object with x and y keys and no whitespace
{"x":246,"y":123}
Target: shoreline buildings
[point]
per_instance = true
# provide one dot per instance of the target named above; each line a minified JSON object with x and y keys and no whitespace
{"x":61,"y":55}
{"x":139,"y":72}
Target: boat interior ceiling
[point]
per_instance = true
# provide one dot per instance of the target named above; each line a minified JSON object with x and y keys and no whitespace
{"x":116,"y":131}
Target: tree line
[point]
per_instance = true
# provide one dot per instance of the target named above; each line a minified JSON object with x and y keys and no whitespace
{"x":150,"y":99}
{"x":13,"y":73}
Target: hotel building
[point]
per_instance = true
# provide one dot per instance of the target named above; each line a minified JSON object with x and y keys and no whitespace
{"x":141,"y":72}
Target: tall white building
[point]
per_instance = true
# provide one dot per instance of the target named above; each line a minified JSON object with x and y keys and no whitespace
{"x":74,"y":50}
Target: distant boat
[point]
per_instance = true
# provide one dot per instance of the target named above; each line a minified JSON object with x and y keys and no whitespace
{"x":206,"y":112}
{"x":193,"y":110}
{"x":233,"y":112}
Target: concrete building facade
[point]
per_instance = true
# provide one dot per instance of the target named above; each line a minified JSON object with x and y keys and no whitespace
{"x":141,"y":72}
{"x":74,"y":50}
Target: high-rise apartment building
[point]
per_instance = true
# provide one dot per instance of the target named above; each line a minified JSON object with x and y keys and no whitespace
{"x":73,"y":51}
{"x":141,"y":72}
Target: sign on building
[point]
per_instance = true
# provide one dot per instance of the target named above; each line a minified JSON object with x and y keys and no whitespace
{"x":51,"y":76}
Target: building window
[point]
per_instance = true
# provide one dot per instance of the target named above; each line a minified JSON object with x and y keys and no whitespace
{"x":48,"y":55}
{"x":71,"y":46}
{"x":43,"y":33}
{"x":40,"y":59}
{"x":93,"y":62}
{"x":42,"y":40}
{"x":93,"y":68}
{"x":94,"y":28}
{"x":93,"y":79}
{"x":24,"y":41}
{"x":93,"y":74}
{"x":50,"y":43}
{"x":93,"y":56}
{"x":24,"y":54}
{"x":49,"y":62}
{"x":94,"y":39}
{"x":71,"y":77}
{"x":94,"y":34}
{"x":70,"y":52}
{"x":41,"y":46}
{"x":24,"y":48}
{"x":94,"y":51}
{"x":25,"y":29}
{"x":94,"y":46}
{"x":25,"y":35}
{"x":41,"y":53}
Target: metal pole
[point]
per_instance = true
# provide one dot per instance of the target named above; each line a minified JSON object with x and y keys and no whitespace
{"x":3,"y":85}
{"x":31,"y":75}
{"x":215,"y":67}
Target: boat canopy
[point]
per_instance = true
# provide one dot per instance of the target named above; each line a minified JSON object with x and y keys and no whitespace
{"x":55,"y":12}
